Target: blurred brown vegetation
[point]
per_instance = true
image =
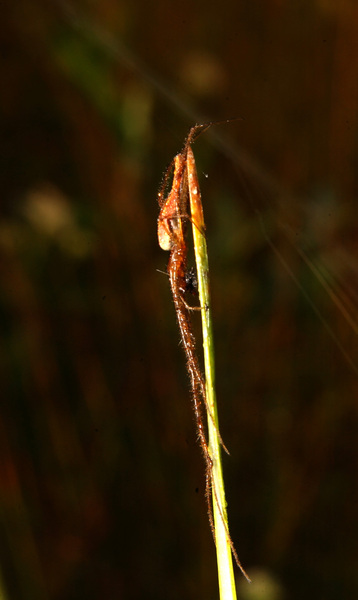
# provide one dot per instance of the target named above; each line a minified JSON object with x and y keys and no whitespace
{"x":102,"y":480}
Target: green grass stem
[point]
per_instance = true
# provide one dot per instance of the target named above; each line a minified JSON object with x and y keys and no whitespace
{"x":223,"y":548}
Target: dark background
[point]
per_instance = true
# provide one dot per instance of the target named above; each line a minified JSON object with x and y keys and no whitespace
{"x":102,"y":480}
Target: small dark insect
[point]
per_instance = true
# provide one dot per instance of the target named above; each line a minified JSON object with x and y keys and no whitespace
{"x":191,"y":282}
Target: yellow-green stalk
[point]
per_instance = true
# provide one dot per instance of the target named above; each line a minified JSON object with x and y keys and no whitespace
{"x":222,"y":537}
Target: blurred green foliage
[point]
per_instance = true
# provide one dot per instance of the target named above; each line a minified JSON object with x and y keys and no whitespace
{"x":102,"y":482}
